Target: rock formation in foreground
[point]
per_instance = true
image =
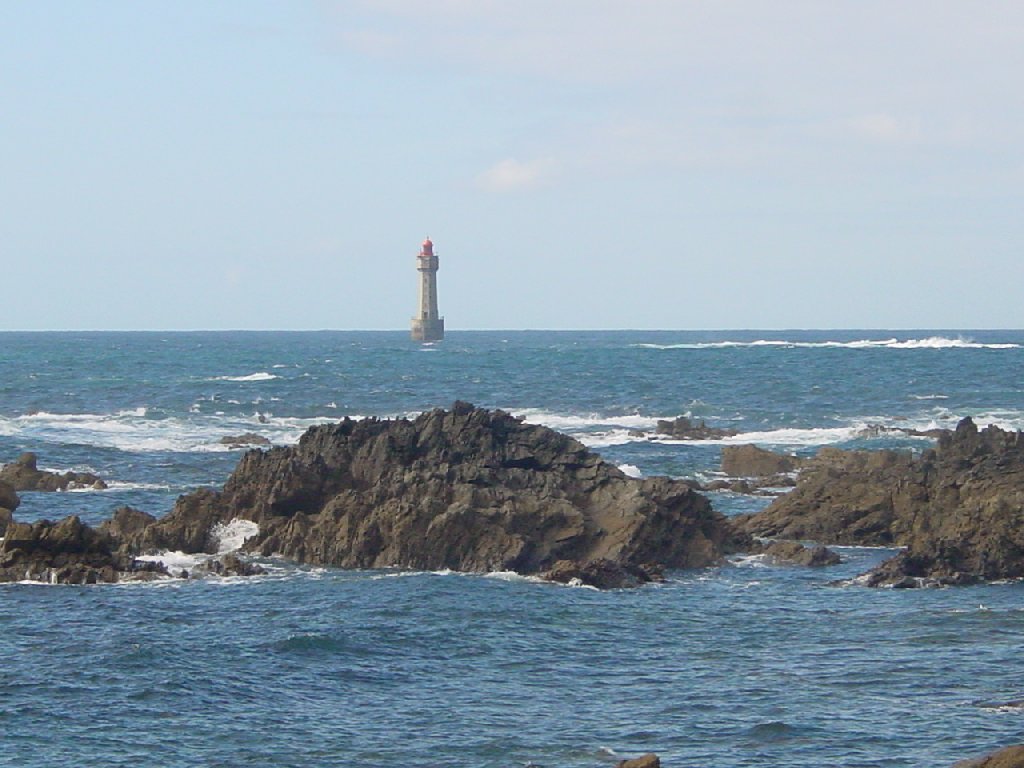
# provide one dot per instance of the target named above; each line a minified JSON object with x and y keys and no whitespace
{"x":466,"y":489}
{"x":66,"y":552}
{"x":958,"y":509}
{"x":24,"y":475}
{"x":1008,"y":757}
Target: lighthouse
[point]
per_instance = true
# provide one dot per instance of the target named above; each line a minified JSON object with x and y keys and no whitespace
{"x":427,"y":325}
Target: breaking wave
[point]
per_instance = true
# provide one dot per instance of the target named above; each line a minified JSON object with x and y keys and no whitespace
{"x":136,"y":430}
{"x":259,"y":376}
{"x":932,"y":342}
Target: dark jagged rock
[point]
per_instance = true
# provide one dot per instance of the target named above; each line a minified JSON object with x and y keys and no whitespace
{"x":239,"y":441}
{"x":958,"y":509}
{"x":66,"y":552}
{"x":1008,"y":757}
{"x":466,"y":489}
{"x":795,"y":553}
{"x":8,"y":497}
{"x":843,"y":497}
{"x":681,"y":428}
{"x":752,"y":461}
{"x":603,"y":574}
{"x":125,"y":522}
{"x":24,"y":475}
{"x":9,"y":502}
{"x":228,"y":565}
{"x":650,"y":760}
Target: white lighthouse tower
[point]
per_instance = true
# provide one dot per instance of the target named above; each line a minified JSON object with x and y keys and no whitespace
{"x":428,"y":325}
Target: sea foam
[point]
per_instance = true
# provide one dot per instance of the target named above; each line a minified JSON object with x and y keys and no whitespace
{"x":932,"y":342}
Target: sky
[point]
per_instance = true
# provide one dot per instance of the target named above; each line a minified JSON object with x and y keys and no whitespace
{"x":579,"y":164}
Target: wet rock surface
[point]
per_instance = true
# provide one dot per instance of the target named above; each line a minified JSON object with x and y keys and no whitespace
{"x":795,"y":553}
{"x":682,"y":428}
{"x":66,"y":552}
{"x":958,"y":509}
{"x":24,"y":475}
{"x":246,"y":439}
{"x":464,"y":489}
{"x":602,"y":574}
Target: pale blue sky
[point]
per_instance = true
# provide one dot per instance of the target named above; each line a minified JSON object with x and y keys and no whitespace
{"x":578,"y":163}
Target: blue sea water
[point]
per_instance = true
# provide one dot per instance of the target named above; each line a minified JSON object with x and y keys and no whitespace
{"x":741,"y":665}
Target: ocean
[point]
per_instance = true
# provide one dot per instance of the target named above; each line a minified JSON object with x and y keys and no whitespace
{"x":739,"y":665}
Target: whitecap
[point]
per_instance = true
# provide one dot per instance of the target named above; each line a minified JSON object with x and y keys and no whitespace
{"x":631,"y":470}
{"x":932,"y":342}
{"x":232,"y":535}
{"x":229,"y":536}
{"x":259,"y":376}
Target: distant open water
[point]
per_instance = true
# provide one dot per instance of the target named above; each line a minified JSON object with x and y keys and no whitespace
{"x":743,"y":665}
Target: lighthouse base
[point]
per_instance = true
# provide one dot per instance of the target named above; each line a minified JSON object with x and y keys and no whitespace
{"x":427,"y":330}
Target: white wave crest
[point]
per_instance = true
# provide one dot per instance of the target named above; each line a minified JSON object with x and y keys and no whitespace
{"x":135,"y":431}
{"x":568,"y":422}
{"x":231,"y":536}
{"x":631,"y":470}
{"x":932,"y":342}
{"x":259,"y":376}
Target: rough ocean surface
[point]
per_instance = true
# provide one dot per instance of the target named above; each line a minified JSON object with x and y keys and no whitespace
{"x":739,"y":664}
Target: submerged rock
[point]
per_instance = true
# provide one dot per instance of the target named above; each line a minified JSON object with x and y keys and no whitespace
{"x":681,"y":428}
{"x":466,"y":489}
{"x":602,"y":574}
{"x":227,"y":565}
{"x":24,"y":475}
{"x":795,"y":553}
{"x":650,"y":760}
{"x":249,"y":438}
{"x":958,"y":509}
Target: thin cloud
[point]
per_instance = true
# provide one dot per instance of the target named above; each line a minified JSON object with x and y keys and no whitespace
{"x":511,"y":174}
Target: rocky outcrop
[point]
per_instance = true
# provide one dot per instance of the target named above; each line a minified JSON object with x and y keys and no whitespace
{"x":681,"y":428}
{"x":958,"y":509}
{"x":247,"y":439}
{"x":795,"y":553}
{"x":466,"y":489}
{"x":66,"y":552}
{"x":603,"y":574}
{"x":1008,"y":757}
{"x":752,"y":461}
{"x":8,"y":497}
{"x":24,"y":475}
{"x":9,"y":502}
{"x":844,"y":497}
{"x":225,"y":565}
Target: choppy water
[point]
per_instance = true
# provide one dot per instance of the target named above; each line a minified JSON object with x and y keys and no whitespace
{"x":743,"y":665}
